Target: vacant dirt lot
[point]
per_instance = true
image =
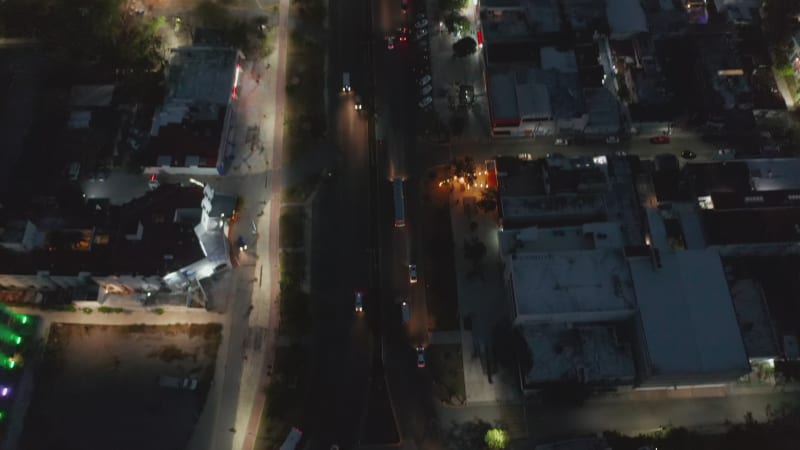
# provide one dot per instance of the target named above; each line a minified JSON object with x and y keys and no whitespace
{"x":97,"y":387}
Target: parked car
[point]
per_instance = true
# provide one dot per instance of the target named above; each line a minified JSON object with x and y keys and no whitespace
{"x":421,"y":33}
{"x":420,"y":356}
{"x":426,"y":90}
{"x":726,"y":153}
{"x":660,"y":140}
{"x":562,"y":142}
{"x":612,"y":140}
{"x":425,"y":102}
{"x":424,"y":80}
{"x":359,"y":302}
{"x":422,"y":23}
{"x":688,"y":154}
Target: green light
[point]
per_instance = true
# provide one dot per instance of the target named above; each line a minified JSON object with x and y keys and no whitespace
{"x":23,"y":319}
{"x":11,"y":363}
{"x":2,"y":415}
{"x":18,"y":340}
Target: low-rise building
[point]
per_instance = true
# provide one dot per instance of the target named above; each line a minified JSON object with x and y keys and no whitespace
{"x":191,"y":129}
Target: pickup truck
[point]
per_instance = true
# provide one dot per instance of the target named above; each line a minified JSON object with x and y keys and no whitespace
{"x":188,"y":384}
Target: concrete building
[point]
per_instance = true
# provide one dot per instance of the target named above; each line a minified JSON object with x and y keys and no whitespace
{"x":191,"y":130}
{"x":154,"y":250}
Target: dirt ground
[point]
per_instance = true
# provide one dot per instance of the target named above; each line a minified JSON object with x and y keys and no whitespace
{"x":97,"y":387}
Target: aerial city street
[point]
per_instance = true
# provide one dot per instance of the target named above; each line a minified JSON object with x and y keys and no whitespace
{"x":399,"y":224}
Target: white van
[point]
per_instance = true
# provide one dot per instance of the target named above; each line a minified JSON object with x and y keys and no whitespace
{"x":346,"y":82}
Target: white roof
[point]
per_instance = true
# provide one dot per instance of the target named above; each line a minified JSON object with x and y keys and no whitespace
{"x":585,"y":237}
{"x":574,"y":284}
{"x":625,"y":17}
{"x":774,"y":174}
{"x":687,"y":315}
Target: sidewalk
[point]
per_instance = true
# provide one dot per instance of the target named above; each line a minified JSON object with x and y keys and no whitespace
{"x":480,"y":301}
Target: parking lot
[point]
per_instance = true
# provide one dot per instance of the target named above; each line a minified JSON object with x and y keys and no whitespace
{"x":98,"y":386}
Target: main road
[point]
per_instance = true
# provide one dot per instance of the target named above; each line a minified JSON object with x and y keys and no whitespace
{"x":341,"y":342}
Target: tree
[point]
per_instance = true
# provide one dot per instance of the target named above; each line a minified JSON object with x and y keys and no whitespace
{"x":489,"y":200}
{"x":474,"y":250}
{"x":465,"y":47}
{"x":452,"y":6}
{"x":496,"y":439}
{"x":456,"y":23}
{"x":464,"y":168}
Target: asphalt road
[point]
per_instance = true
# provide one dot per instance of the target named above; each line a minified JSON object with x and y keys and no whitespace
{"x":340,"y":363}
{"x":397,"y":95}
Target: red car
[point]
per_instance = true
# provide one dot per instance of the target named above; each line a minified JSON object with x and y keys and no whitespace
{"x":660,"y":140}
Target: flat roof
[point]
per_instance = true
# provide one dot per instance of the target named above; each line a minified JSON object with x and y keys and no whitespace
{"x":571,"y":282}
{"x":754,"y":320}
{"x":583,"y":237}
{"x":583,"y":353}
{"x":756,"y":226}
{"x":774,"y":174}
{"x":546,"y":208}
{"x":625,"y":17}
{"x":503,"y":96}
{"x":203,"y":74}
{"x":687,"y":314}
{"x":191,"y":141}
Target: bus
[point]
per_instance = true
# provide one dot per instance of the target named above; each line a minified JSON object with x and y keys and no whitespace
{"x":399,"y":204}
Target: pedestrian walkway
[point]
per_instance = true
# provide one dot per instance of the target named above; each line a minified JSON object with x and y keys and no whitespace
{"x":481,"y":302}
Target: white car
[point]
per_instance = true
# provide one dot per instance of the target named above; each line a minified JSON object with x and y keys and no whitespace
{"x":426,"y":90}
{"x":422,"y":23}
{"x":425,"y":102}
{"x":726,"y":153}
{"x":405,"y":312}
{"x":420,"y":356}
{"x":562,"y":142}
{"x":359,"y":302}
{"x":424,"y":80}
{"x":612,"y":140}
{"x":412,"y":273}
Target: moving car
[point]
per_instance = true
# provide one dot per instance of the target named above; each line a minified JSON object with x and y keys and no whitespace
{"x":405,"y":312}
{"x":412,"y":273}
{"x":424,"y":80}
{"x":358,"y":105}
{"x":404,"y":6}
{"x":425,"y":102}
{"x":346,"y":82}
{"x":390,"y":43}
{"x":688,"y":154}
{"x":660,"y":140}
{"x":420,"y":356}
{"x":403,"y":34}
{"x":359,"y":302}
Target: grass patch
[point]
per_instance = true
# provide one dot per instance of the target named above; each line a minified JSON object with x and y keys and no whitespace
{"x":292,"y":228}
{"x":293,"y":268}
{"x":447,"y":369}
{"x":440,"y":268}
{"x":283,"y":408}
{"x":295,"y":313}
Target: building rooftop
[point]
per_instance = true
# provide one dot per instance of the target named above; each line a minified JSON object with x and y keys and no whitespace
{"x":201,"y":74}
{"x":774,"y":174}
{"x":753,"y":318}
{"x":604,"y":111}
{"x":110,"y":245}
{"x":687,"y":315}
{"x":84,"y":96}
{"x":754,"y":226}
{"x":584,"y":14}
{"x":194,"y":141}
{"x":570,"y":283}
{"x":562,"y":61}
{"x":625,"y":17}
{"x":543,"y":240}
{"x":585,"y":354}
{"x":519,"y":177}
{"x":516,"y":93}
{"x":561,"y":209}
{"x":706,"y":177}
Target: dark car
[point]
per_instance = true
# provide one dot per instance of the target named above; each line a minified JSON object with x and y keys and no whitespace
{"x":660,"y":140}
{"x":688,"y":154}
